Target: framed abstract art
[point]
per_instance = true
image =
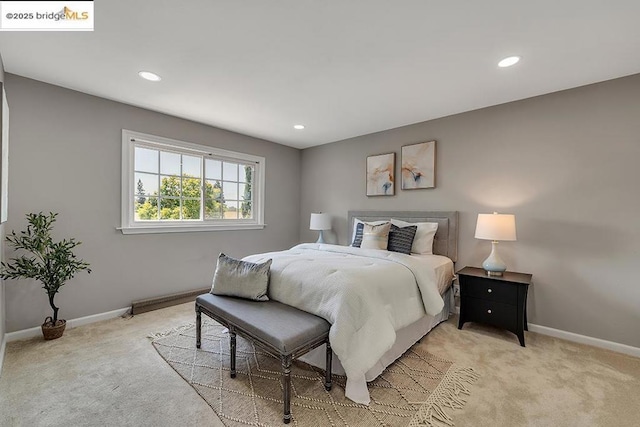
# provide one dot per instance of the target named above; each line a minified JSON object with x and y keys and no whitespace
{"x":381,"y":174}
{"x":419,"y":165}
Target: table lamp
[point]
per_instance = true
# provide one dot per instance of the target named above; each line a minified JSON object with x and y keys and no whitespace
{"x":495,"y":227}
{"x":320,"y":222}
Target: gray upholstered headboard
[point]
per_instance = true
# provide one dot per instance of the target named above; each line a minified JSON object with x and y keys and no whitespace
{"x":446,"y":239}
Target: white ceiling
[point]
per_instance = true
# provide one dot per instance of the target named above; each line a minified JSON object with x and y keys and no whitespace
{"x":341,"y":68}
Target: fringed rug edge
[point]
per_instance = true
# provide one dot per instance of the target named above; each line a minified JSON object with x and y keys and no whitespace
{"x":154,"y":336}
{"x":447,"y":394}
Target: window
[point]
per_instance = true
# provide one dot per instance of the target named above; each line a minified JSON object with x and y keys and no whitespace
{"x":170,"y":186}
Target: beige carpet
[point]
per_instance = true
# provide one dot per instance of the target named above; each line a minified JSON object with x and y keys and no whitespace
{"x":108,"y":374}
{"x":418,"y":389}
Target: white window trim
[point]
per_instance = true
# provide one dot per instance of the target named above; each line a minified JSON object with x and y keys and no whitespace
{"x":130,"y":226}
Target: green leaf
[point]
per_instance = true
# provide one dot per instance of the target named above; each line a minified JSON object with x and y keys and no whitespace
{"x":52,"y":263}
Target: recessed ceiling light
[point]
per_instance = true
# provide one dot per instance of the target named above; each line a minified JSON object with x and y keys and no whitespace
{"x":148,"y":75}
{"x":508,"y":62}
{"x":299,"y":127}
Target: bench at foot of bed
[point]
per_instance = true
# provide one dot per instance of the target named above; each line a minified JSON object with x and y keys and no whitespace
{"x":281,"y":330}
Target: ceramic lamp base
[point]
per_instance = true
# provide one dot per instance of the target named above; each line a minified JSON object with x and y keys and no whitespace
{"x":320,"y":238}
{"x":494,"y":265}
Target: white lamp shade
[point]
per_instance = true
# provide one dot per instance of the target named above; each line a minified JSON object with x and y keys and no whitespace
{"x":496,"y":227}
{"x":320,"y":221}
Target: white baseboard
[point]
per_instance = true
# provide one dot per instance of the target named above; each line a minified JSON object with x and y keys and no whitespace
{"x":3,"y":346}
{"x":73,"y":323}
{"x":583,"y":339}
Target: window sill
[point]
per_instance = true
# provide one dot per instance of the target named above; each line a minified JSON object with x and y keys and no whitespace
{"x":157,"y":229}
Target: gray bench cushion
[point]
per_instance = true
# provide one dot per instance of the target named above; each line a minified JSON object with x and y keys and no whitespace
{"x":284,"y":327}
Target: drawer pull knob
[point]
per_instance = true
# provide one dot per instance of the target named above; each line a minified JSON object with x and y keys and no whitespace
{"x":489,"y":311}
{"x":489,"y":290}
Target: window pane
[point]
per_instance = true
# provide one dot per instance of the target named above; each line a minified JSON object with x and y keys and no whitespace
{"x":146,"y":183}
{"x":246,"y":173}
{"x":230,"y":171}
{"x":231,"y":210}
{"x":190,"y":209}
{"x":169,"y":209}
{"x":230,"y":190}
{"x":146,"y":211}
{"x":146,"y":160}
{"x":169,"y":163}
{"x":213,"y":169}
{"x":191,"y":165}
{"x":170,"y":186}
{"x":213,"y":190}
{"x":212,"y":209}
{"x":244,"y":192}
{"x":191,"y":187}
{"x":246,"y":212}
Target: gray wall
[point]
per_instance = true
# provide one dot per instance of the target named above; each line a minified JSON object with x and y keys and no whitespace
{"x":2,"y":229}
{"x":66,"y":157}
{"x":566,"y":164}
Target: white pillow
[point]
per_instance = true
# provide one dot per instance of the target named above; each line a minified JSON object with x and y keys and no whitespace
{"x":357,"y":221}
{"x":375,"y":236}
{"x":423,"y":242}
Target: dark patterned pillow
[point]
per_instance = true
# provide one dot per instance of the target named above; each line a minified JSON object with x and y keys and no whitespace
{"x":401,"y":238}
{"x":357,"y":240}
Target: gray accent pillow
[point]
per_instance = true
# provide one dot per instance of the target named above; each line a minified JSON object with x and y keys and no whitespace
{"x":242,"y":279}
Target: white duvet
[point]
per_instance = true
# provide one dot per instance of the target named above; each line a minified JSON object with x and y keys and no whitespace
{"x":366,"y":295}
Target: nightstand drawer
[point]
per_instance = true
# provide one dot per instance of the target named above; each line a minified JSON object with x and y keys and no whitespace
{"x":493,"y":290}
{"x":490,"y":312}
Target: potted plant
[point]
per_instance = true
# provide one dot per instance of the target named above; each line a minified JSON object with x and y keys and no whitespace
{"x":52,"y":263}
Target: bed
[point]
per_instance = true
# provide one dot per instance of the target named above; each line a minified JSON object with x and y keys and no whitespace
{"x":378,"y":302}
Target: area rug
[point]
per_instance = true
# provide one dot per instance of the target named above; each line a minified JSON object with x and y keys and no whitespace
{"x":419,"y":389}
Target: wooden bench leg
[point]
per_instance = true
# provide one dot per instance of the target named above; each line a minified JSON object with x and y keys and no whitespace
{"x":232,"y":336}
{"x":327,"y":378}
{"x":198,"y":326}
{"x":286,"y":377}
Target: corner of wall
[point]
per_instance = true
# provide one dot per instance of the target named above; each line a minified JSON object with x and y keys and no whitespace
{"x":300,"y":194}
{"x":2,"y":307}
{"x":2,"y":299}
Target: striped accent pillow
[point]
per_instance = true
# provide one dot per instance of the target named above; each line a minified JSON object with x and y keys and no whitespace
{"x":401,"y":238}
{"x":357,"y":240}
{"x":423,"y":242}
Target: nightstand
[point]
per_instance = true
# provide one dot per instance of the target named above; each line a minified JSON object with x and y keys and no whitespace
{"x":498,"y":301}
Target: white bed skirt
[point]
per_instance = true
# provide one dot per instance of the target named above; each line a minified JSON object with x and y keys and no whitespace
{"x":405,"y":338}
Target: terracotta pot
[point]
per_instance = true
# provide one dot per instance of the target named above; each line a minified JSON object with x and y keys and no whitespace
{"x":52,"y":332}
